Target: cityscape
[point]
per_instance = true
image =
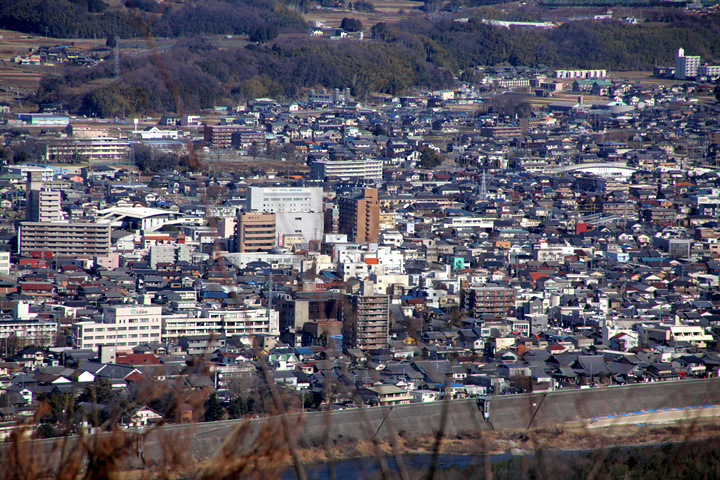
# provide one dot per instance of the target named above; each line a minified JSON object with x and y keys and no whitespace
{"x":524,"y":235}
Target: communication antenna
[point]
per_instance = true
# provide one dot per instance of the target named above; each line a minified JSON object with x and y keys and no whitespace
{"x":483,"y":186}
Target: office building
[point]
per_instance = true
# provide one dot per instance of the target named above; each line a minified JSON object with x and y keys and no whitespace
{"x":502,"y":132}
{"x":284,"y":199}
{"x":710,"y":71}
{"x":366,"y":169}
{"x":63,"y":238}
{"x":327,"y":99}
{"x":246,"y":321}
{"x":255,"y":232}
{"x":121,"y":327}
{"x":359,"y":216}
{"x":468,"y":223}
{"x":103,"y":150}
{"x":686,"y":67}
{"x":5,"y":263}
{"x":366,"y":319}
{"x":170,"y":254}
{"x":298,"y":210}
{"x":493,"y":301}
{"x":580,"y":73}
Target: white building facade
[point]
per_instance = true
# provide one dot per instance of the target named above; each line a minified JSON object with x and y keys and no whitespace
{"x":686,"y":66}
{"x":246,"y":321}
{"x":122,"y":327}
{"x":298,"y":210}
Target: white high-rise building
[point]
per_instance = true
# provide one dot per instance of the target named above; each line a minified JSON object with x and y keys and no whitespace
{"x":686,"y":67}
{"x":43,"y":204}
{"x":298,"y":210}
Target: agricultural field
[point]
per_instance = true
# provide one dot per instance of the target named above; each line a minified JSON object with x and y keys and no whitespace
{"x":388,"y":11}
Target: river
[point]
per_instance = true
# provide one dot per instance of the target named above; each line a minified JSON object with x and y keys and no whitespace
{"x":361,"y":468}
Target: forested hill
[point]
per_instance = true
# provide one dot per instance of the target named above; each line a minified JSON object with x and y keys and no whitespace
{"x":609,"y":44}
{"x":201,"y":76}
{"x":418,"y":52}
{"x":94,"y":19}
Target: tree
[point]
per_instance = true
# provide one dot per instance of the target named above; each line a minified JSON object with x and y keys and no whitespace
{"x":238,"y":407}
{"x":429,"y":158}
{"x":149,"y":160}
{"x":311,"y":400}
{"x":214,"y":410}
{"x":271,"y":151}
{"x":215,"y":191}
{"x":288,"y":150}
{"x":351,"y":25}
{"x":21,"y":157}
{"x":380,"y":30}
{"x":100,"y":392}
{"x":456,"y":315}
{"x":57,"y":408}
{"x":253,"y":150}
{"x":47,"y":431}
{"x":362,"y":6}
{"x":239,"y":386}
{"x":263,"y":34}
{"x":716,"y":90}
{"x":111,"y":41}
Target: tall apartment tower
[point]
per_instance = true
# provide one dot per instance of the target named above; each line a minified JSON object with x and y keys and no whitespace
{"x":366,"y":319}
{"x":255,"y":232}
{"x":686,"y":67}
{"x":42,"y":204}
{"x":360,"y":216}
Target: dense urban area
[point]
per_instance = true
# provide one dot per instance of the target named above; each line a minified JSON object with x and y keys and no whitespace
{"x":487,"y":239}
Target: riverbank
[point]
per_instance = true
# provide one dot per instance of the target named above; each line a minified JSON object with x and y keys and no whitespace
{"x":270,"y":457}
{"x":480,"y":450}
{"x":561,"y":438}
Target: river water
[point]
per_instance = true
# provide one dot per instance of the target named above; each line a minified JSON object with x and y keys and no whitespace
{"x":362,"y":468}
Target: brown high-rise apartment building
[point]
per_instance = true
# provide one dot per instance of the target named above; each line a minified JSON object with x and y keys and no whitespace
{"x":255,"y":232}
{"x":495,"y":301}
{"x":220,"y":136}
{"x":64,"y":238}
{"x":360,"y":216}
{"x":366,"y":319}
